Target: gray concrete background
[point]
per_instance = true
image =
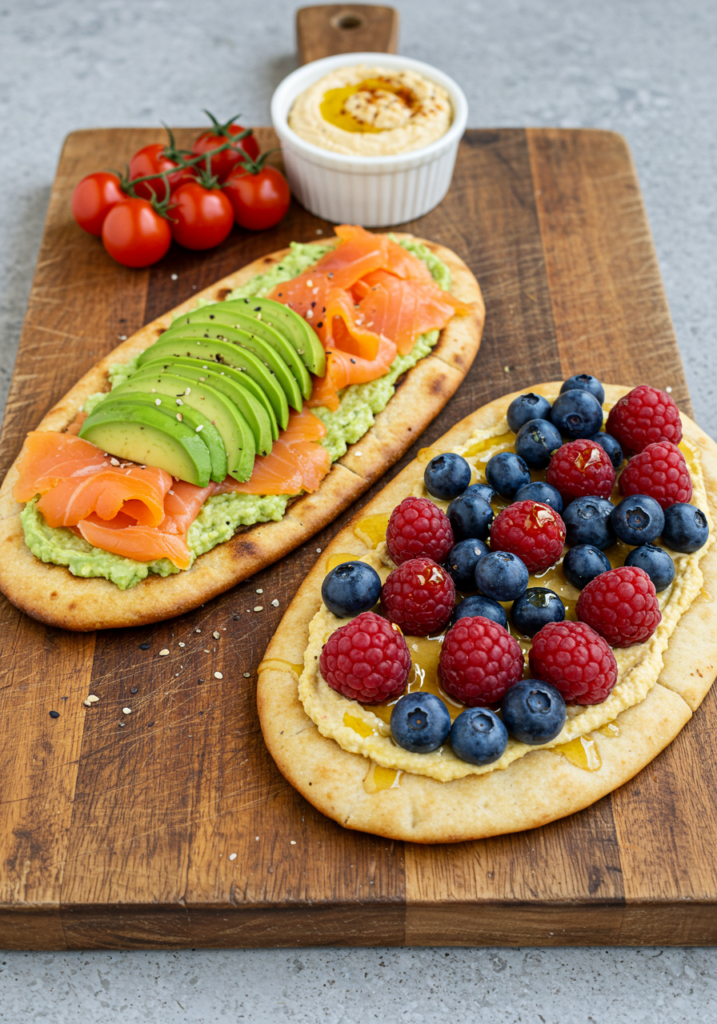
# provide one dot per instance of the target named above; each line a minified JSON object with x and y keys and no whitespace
{"x":646,"y":68}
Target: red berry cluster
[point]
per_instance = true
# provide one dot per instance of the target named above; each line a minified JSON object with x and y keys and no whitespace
{"x":644,"y":416}
{"x":532,"y":531}
{"x":621,"y":605}
{"x":577,"y":661}
{"x":366,"y":660}
{"x":418,"y":529}
{"x":581,"y":468}
{"x":479,"y":661}
{"x":660,"y":471}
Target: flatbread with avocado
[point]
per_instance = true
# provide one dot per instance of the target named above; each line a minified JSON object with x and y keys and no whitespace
{"x":339,"y":753}
{"x":266,"y":377}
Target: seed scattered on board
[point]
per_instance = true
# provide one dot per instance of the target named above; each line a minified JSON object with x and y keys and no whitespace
{"x":260,"y":591}
{"x":164,"y":652}
{"x":259,"y":608}
{"x":216,"y":635}
{"x":54,"y":714}
{"x":218,"y":675}
{"x":232,"y":856}
{"x":126,"y":711}
{"x":275,"y":603}
{"x":182,"y":644}
{"x":247,"y":675}
{"x":92,"y":699}
{"x":144,"y":647}
{"x":133,"y":689}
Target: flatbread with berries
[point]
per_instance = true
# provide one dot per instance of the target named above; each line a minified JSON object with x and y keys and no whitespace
{"x":341,"y":757}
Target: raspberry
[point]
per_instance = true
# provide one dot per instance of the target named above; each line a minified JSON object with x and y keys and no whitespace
{"x":576,"y":660}
{"x":643,"y":416}
{"x":366,"y":660}
{"x":581,"y":468}
{"x":531,"y":530}
{"x":659,"y":471}
{"x":479,"y":661}
{"x":418,"y":529}
{"x":419,"y":596}
{"x":621,"y":605}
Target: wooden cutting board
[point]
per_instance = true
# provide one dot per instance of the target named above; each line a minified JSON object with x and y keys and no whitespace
{"x":171,"y":826}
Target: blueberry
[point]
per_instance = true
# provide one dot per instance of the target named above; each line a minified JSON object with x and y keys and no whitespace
{"x":656,"y":562}
{"x":583,"y":563}
{"x":588,"y":521}
{"x":536,"y":608}
{"x":351,"y":588}
{"x":638,"y":519}
{"x":685,"y":529}
{"x":502,"y":576}
{"x":447,"y":476}
{"x":540,"y":491}
{"x":536,"y":443}
{"x":470,"y":516}
{"x":577,"y":414}
{"x":480,"y":605}
{"x":461,"y":562}
{"x":506,"y":473}
{"x":420,"y":722}
{"x":527,"y":407}
{"x":482,"y":490}
{"x":584,"y":382}
{"x":533,"y":711}
{"x":478,"y":736}
{"x":612,"y":446}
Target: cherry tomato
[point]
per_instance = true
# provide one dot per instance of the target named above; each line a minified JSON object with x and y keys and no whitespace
{"x":134,"y":234}
{"x":259,"y":200}
{"x":203,"y":217}
{"x":151,"y":160}
{"x":223,"y":163}
{"x":93,"y":199}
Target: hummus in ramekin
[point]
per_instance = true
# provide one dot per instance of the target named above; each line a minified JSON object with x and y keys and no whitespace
{"x":372,"y":111}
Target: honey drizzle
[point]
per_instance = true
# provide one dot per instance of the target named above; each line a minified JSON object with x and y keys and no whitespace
{"x":582,"y":752}
{"x":279,"y":665}
{"x":378,"y":778}
{"x":339,"y":558}
{"x":372,"y":529}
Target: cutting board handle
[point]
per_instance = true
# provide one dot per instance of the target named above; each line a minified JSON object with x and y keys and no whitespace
{"x":327,"y":29}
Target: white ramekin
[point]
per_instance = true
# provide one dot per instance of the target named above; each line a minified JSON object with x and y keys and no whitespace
{"x":374,"y":191}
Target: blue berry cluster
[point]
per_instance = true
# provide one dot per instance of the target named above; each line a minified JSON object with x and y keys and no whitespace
{"x":531,"y":711}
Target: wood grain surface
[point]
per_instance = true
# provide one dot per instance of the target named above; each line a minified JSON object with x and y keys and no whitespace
{"x":171,"y":826}
{"x":328,"y":29}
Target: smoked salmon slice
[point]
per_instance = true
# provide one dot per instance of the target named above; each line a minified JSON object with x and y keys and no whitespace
{"x":366,"y":298}
{"x":50,"y":457}
{"x":296,"y":462}
{"x":137,"y":492}
{"x":123,"y":536}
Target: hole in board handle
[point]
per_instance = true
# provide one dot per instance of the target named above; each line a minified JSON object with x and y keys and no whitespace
{"x":347,"y":22}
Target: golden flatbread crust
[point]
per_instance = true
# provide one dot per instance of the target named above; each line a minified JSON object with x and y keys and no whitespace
{"x":53,"y":595}
{"x":534,"y":790}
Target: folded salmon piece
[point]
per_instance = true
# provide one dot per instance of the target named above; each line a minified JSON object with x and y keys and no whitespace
{"x":403,"y":309}
{"x":50,"y":456}
{"x":343,"y":369}
{"x":295,"y":463}
{"x":122,"y":535}
{"x":136,"y":491}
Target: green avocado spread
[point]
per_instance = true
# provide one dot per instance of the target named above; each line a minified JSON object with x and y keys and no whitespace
{"x":222,"y":515}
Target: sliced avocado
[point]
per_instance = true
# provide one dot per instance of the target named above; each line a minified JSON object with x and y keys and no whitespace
{"x":185,"y":394}
{"x":228,"y":373}
{"x":197,"y":421}
{"x":215,"y":316}
{"x":211,"y":373}
{"x":148,"y":436}
{"x":223,"y":352}
{"x":294,"y":327}
{"x":271,"y":359}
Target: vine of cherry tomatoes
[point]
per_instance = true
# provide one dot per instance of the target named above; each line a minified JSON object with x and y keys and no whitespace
{"x":192,"y":196}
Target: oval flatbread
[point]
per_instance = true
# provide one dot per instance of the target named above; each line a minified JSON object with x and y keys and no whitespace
{"x":532,"y":791}
{"x":53,"y":595}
